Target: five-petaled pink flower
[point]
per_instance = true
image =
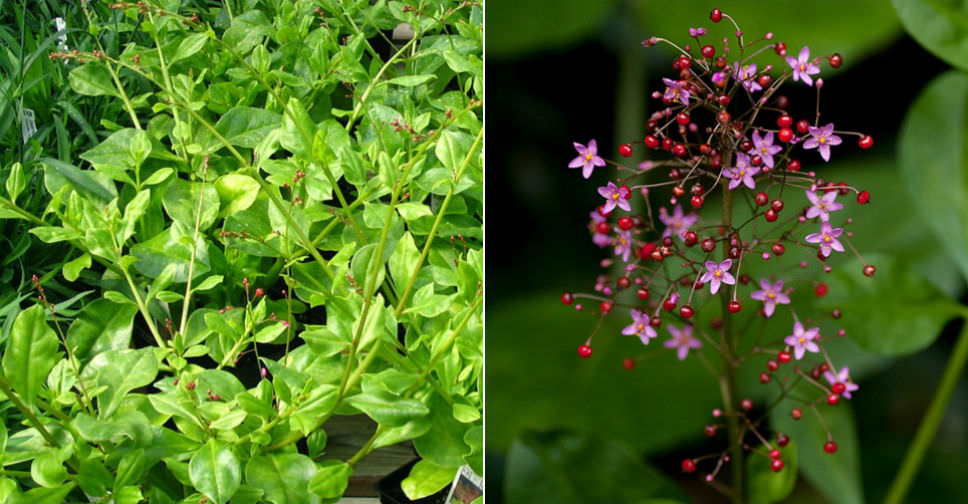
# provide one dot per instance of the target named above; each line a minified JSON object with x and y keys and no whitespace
{"x":677,"y":223}
{"x":615,"y":196}
{"x":803,"y":68}
{"x":822,"y":205}
{"x":770,"y":294}
{"x":827,"y":238}
{"x":675,"y":92}
{"x":588,"y":158}
{"x":623,"y":244}
{"x":747,"y":75}
{"x":802,"y":340}
{"x":763,"y":145}
{"x":742,"y":173}
{"x":640,"y":327}
{"x":822,"y":139}
{"x":683,"y":340}
{"x":717,"y":273}
{"x":842,"y":377}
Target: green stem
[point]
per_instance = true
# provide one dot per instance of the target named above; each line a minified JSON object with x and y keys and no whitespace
{"x":728,"y":381}
{"x":930,"y":423}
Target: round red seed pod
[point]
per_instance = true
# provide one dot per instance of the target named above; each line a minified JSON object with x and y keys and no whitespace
{"x":584,"y":351}
{"x":744,"y":279}
{"x":625,"y":223}
{"x":869,"y":270}
{"x":628,"y":363}
{"x":625,"y":150}
{"x":838,"y":388}
{"x":605,"y":307}
{"x":761,"y":198}
{"x":688,"y":466}
{"x":777,"y":205}
{"x":778,"y":249}
{"x":566,"y":298}
{"x":765,"y":80}
{"x":835,"y":60}
{"x":603,"y":227}
{"x":756,"y":160}
{"x":667,"y":143}
{"x":668,"y":304}
{"x":643,"y":293}
{"x":696,"y":201}
{"x":734,"y":306}
{"x":686,"y":311}
{"x":259,"y":292}
{"x":780,"y":48}
{"x":691,"y":238}
{"x":651,"y":142}
{"x":820,"y":290}
{"x":745,"y":145}
{"x":627,"y":191}
{"x":710,"y":430}
{"x":772,"y":365}
{"x":723,"y":99}
{"x":679,"y":150}
{"x":678,"y":191}
{"x":746,"y":405}
{"x":785,"y":135}
{"x":823,"y":367}
{"x":764,"y":378}
{"x":655,"y":321}
{"x":623,"y":282}
{"x":708,"y":245}
{"x":865,"y":142}
{"x":716,"y":15}
{"x":796,"y":413}
{"x":723,"y":117}
{"x":803,"y":125}
{"x":771,"y":215}
{"x":774,"y":453}
{"x":682,"y":118}
{"x":830,"y":447}
{"x":776,"y":465}
{"x":782,"y":440}
{"x":782,"y":101}
{"x":833,"y":399}
{"x":784,"y":121}
{"x":793,"y":165}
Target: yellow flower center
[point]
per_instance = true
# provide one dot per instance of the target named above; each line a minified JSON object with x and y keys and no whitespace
{"x":822,"y":140}
{"x":771,"y":295}
{"x":718,"y":274}
{"x":763,"y":150}
{"x":588,"y":157}
{"x":742,"y":172}
{"x":614,"y":195}
{"x":803,"y":67}
{"x":827,"y":238}
{"x":641,"y":327}
{"x":802,"y":340}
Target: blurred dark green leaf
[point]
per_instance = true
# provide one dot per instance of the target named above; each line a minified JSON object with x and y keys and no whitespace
{"x":766,"y":486}
{"x":941,"y":26}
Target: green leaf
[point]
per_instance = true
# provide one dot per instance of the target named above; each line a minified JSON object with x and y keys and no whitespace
{"x":94,"y":478}
{"x":48,"y":470}
{"x":385,"y":408}
{"x":158,"y":177}
{"x":72,"y":269}
{"x":284,"y":477}
{"x":298,"y":131}
{"x":411,"y":80}
{"x":237,"y":192}
{"x":54,"y":234}
{"x":452,"y":148}
{"x":565,"y":468}
{"x":403,"y":261}
{"x":92,"y":79}
{"x":837,"y":475}
{"x":84,"y":181}
{"x":766,"y":486}
{"x":120,"y":153}
{"x":896,"y":312}
{"x":934,"y":164}
{"x":941,"y":26}
{"x":182,"y":199}
{"x":246,"y":126}
{"x":15,"y":181}
{"x":100,"y":326}
{"x":129,"y":494}
{"x":120,"y":371}
{"x":30,"y":354}
{"x":133,"y":213}
{"x":214,"y":470}
{"x":171,"y":251}
{"x":189,"y":45}
{"x":331,"y":479}
{"x":426,"y":479}
{"x":444,"y":443}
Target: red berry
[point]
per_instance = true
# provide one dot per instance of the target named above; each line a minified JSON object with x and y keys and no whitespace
{"x":865,"y":142}
{"x":761,"y":198}
{"x":651,"y":142}
{"x":679,"y":150}
{"x":839,"y":388}
{"x":667,"y":143}
{"x":566,"y":298}
{"x":623,"y":282}
{"x":710,"y":430}
{"x":830,"y":447}
{"x":782,"y":440}
{"x":602,"y":212}
{"x":764,"y":378}
{"x":772,"y":365}
{"x":682,"y":118}
{"x":691,"y":238}
{"x":793,"y":165}
{"x":686,"y":311}
{"x":869,"y":270}
{"x":716,"y":15}
{"x":723,"y":117}
{"x":835,"y":60}
{"x":603,"y":227}
{"x":708,"y":245}
{"x":668,"y":304}
{"x":724,"y":99}
{"x":780,"y":48}
{"x":683,"y":63}
{"x":745,"y":145}
{"x":625,"y":150}
{"x":777,"y":205}
{"x":774,"y":453}
{"x":746,"y":404}
{"x":584,"y":351}
{"x":771,"y":215}
{"x":628,"y":192}
{"x":820,"y":290}
{"x":628,"y":363}
{"x":776,"y":465}
{"x":833,"y":399}
{"x":708,"y":51}
{"x":734,"y":306}
{"x":605,"y":307}
{"x":655,"y":321}
{"x":688,"y":466}
{"x":796,"y":413}
{"x":625,"y":223}
{"x":765,"y":80}
{"x":756,"y":160}
{"x":823,"y":367}
{"x":643,"y":293}
{"x":696,"y":201}
{"x":778,"y":249}
{"x":259,"y":292}
{"x":785,"y":135}
{"x":784,"y":121}
{"x":784,"y":357}
{"x":803,"y":125}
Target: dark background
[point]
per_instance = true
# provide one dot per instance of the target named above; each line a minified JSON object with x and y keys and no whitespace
{"x":571,"y":71}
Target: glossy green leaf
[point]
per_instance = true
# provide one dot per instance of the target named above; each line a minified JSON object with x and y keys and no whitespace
{"x":941,"y":26}
{"x":120,"y":371}
{"x":237,"y":192}
{"x":72,"y":269}
{"x":411,"y":80}
{"x":133,"y":213}
{"x":331,"y":479}
{"x":284,"y":477}
{"x":92,"y":79}
{"x":122,"y":152}
{"x":30,"y":353}
{"x":182,"y":200}
{"x":54,"y":234}
{"x":15,"y":183}
{"x":189,"y":46}
{"x":767,"y":486}
{"x":385,"y":408}
{"x":426,"y":479}
{"x":48,"y":470}
{"x":444,"y":443}
{"x":934,"y":164}
{"x":247,"y":126}
{"x":94,"y":478}
{"x":214,"y":470}
{"x":171,"y":250}
{"x":565,"y":468}
{"x":403,"y":261}
{"x":101,"y":325}
{"x":86,"y":182}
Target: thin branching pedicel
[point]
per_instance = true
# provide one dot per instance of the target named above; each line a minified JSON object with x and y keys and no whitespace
{"x":723,"y":131}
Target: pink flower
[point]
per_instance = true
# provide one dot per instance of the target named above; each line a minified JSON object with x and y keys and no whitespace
{"x":822,"y":139}
{"x":803,"y":68}
{"x":615,"y":196}
{"x":683,"y":340}
{"x":742,"y":173}
{"x":763,"y":145}
{"x":718,"y":273}
{"x":623,"y":244}
{"x":827,"y":238}
{"x":822,"y":205}
{"x":588,"y":158}
{"x":677,"y":223}
{"x":770,"y":294}
{"x":802,"y":340}
{"x":675,"y":92}
{"x":842,"y":377}
{"x":640,"y":327}
{"x":746,"y":74}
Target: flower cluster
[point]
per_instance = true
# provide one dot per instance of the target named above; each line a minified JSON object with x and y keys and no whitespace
{"x":723,"y":129}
